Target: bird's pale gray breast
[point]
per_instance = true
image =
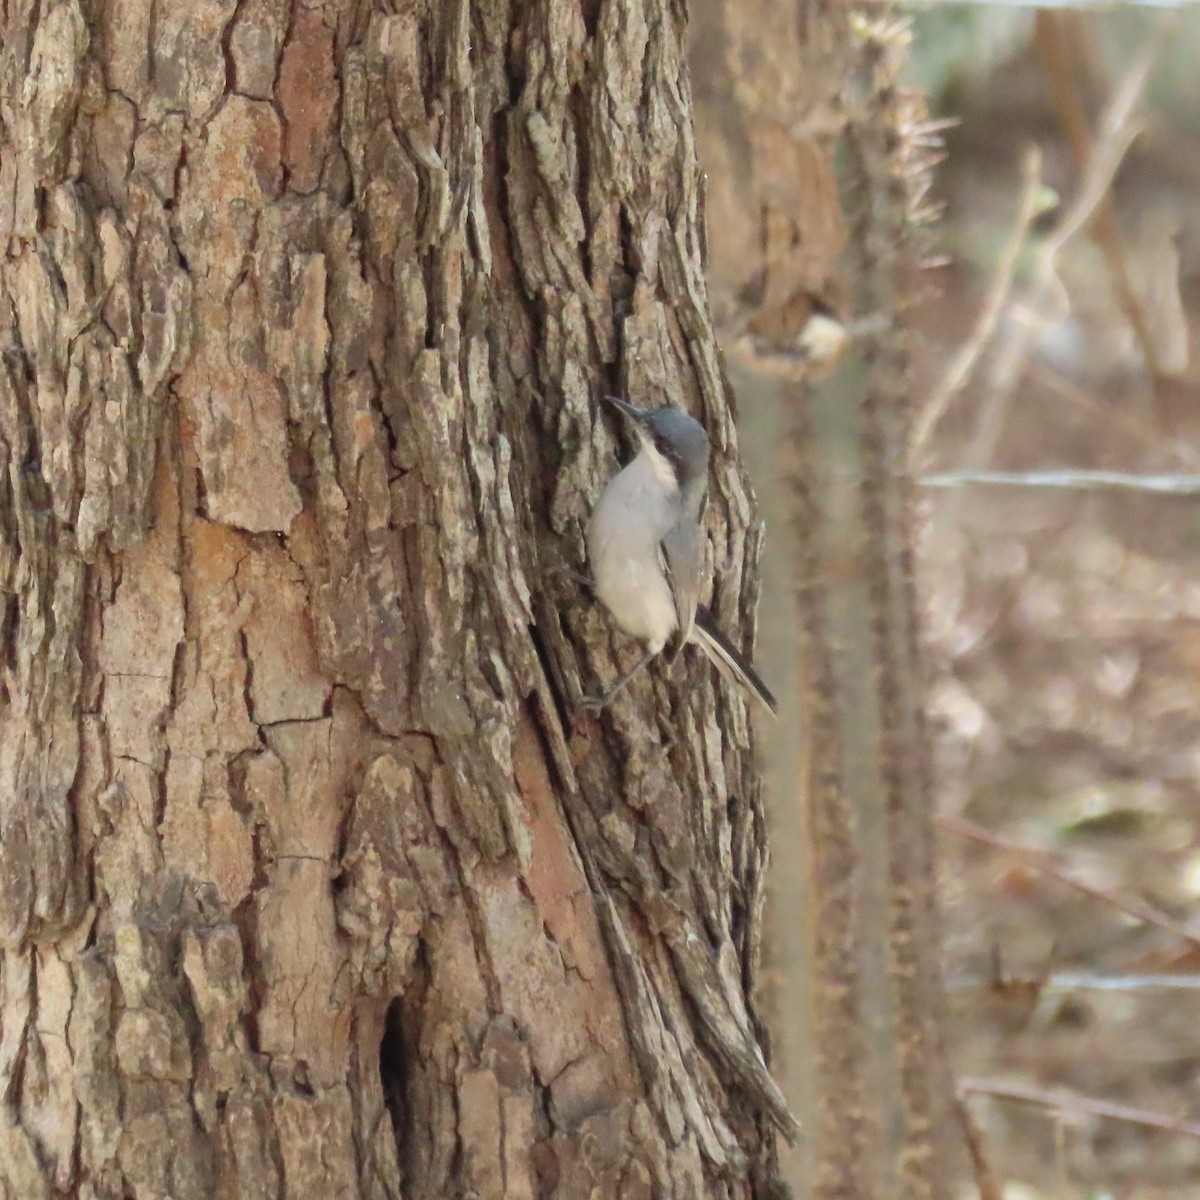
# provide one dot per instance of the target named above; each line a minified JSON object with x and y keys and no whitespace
{"x":632,"y":516}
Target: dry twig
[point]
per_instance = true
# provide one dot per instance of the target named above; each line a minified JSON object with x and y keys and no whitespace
{"x":985,"y":1177}
{"x":1134,"y":426}
{"x":1071,"y":1104}
{"x":1047,"y":298}
{"x":1059,"y":41}
{"x":1070,"y":478}
{"x":959,"y":371}
{"x":1073,"y":981}
{"x":1047,"y":864}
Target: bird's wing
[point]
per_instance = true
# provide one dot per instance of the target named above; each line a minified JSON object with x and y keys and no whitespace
{"x":682,"y":556}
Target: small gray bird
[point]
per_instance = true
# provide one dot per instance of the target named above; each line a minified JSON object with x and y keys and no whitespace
{"x":646,"y":547}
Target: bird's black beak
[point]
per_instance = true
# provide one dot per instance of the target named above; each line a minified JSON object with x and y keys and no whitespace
{"x":629,"y":411}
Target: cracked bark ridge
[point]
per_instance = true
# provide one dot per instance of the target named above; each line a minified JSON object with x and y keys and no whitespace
{"x":308,"y":885}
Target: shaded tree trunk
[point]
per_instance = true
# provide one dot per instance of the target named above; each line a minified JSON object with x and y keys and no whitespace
{"x":311,"y":881}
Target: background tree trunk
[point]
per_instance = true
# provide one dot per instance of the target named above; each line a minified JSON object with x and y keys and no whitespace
{"x":770,"y":80}
{"x":311,"y":884}
{"x":785,"y":90}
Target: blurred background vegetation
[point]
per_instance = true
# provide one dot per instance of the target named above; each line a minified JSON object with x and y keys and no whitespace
{"x":1055,"y":387}
{"x":1064,"y":621}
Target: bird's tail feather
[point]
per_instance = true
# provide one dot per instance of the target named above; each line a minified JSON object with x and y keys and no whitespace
{"x":729,"y":660}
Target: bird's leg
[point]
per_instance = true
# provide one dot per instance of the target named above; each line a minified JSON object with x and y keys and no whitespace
{"x":602,"y":700}
{"x":576,"y":577}
{"x":588,"y":585}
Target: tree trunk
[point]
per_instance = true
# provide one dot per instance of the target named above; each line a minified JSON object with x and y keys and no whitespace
{"x":785,"y":92}
{"x":312,"y":880}
{"x":770,"y":78}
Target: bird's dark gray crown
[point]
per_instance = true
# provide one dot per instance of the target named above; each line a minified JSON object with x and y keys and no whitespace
{"x":680,"y":439}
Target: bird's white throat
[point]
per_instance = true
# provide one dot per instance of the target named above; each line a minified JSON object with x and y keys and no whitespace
{"x":663,"y":471}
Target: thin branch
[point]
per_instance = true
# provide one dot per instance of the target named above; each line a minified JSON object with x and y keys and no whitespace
{"x":1047,"y":864}
{"x":986,"y":1181}
{"x":1081,"y":5}
{"x":1058,"y":38}
{"x":1047,"y":297}
{"x":1071,"y":1104}
{"x":1117,"y":133}
{"x":959,"y":372}
{"x":1119,"y":418}
{"x":1069,"y":981}
{"x":1070,"y":478}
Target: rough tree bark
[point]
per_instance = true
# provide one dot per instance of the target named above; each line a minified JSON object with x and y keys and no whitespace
{"x":311,"y":883}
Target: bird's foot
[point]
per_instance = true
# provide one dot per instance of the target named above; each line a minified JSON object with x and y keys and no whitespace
{"x":575,"y":577}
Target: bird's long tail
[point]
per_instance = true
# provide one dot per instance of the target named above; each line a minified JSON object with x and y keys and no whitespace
{"x":729,"y":661}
